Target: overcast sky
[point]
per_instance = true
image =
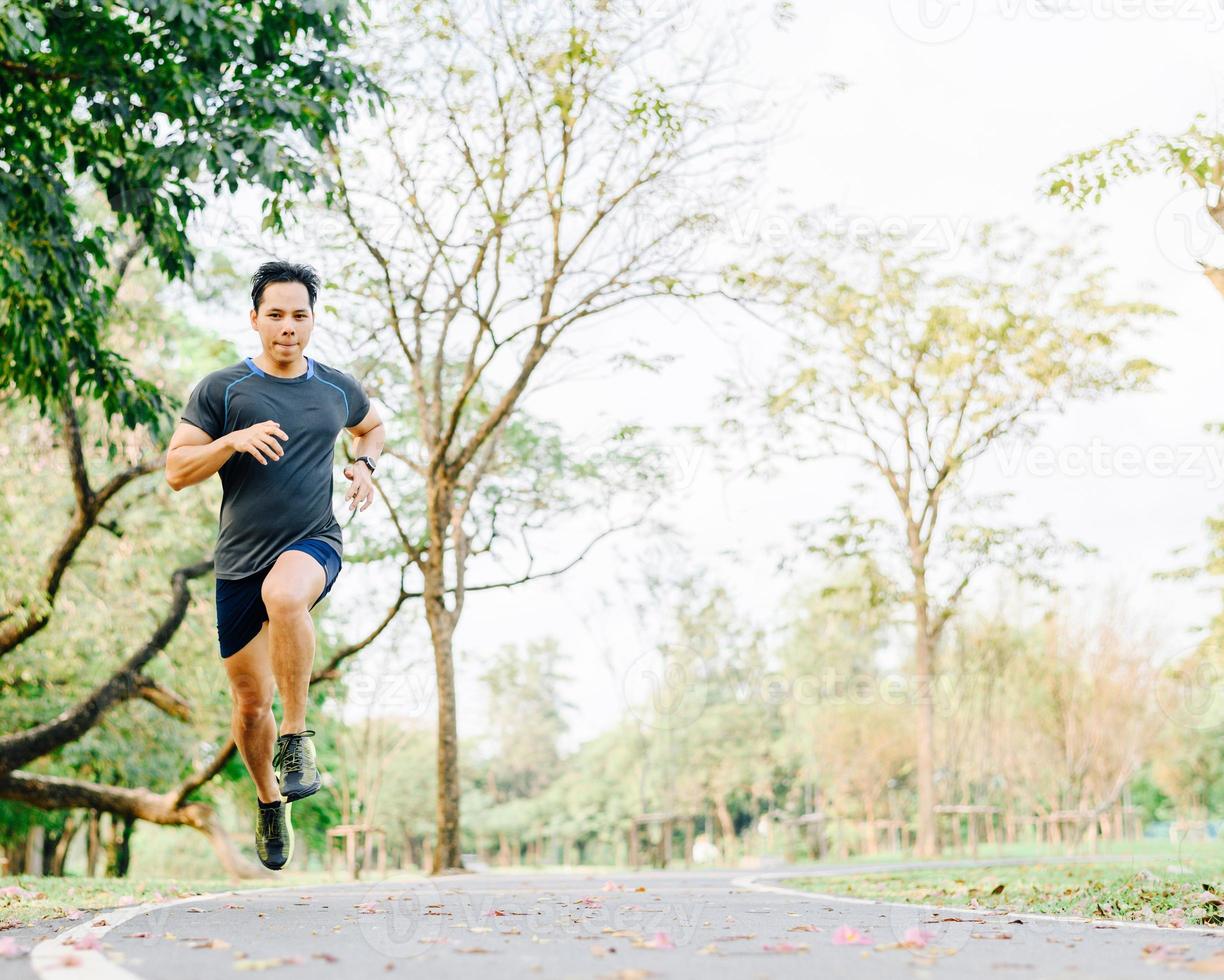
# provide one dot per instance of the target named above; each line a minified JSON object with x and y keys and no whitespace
{"x":950,"y":114}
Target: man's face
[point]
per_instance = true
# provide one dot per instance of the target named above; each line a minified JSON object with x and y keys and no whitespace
{"x":284,"y":321}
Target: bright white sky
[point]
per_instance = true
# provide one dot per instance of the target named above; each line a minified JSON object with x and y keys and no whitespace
{"x":934,"y":135}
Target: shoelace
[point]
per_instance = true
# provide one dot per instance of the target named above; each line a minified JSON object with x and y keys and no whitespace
{"x":291,"y":752}
{"x":271,"y":824}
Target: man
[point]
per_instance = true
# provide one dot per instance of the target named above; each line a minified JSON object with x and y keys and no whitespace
{"x":268,"y":425}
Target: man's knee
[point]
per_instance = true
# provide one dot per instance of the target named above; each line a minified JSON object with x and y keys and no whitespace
{"x":252,"y":699}
{"x":282,"y":599}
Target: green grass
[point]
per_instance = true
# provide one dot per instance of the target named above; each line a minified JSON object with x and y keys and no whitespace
{"x":59,"y":897}
{"x":1145,"y":888}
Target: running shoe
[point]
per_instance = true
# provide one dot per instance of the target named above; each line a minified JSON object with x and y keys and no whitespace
{"x":274,"y":835}
{"x":296,"y":769}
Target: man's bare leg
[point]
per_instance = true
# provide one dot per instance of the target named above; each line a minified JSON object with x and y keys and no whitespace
{"x":252,"y":721}
{"x":296,"y":580}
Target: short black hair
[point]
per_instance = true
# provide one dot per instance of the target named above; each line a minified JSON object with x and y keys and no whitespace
{"x":278,"y":271}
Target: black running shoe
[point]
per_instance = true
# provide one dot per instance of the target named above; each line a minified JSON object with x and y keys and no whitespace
{"x":274,"y":835}
{"x":296,"y":769}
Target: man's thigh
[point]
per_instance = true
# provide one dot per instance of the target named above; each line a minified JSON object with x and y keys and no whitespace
{"x":250,"y":671}
{"x":294,"y":583}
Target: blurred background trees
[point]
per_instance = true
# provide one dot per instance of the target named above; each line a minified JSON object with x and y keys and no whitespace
{"x":522,"y":178}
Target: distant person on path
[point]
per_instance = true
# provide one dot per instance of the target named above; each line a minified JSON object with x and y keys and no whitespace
{"x":269,"y":426}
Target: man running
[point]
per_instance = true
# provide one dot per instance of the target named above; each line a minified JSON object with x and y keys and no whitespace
{"x":269,"y":425}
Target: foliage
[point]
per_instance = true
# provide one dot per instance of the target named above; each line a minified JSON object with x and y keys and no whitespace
{"x":914,"y":362}
{"x":1195,"y":157}
{"x":145,"y":107}
{"x":116,"y":589}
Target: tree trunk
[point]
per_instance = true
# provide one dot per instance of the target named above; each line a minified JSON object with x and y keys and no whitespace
{"x":446,"y":852}
{"x":120,"y":847}
{"x":93,"y":843}
{"x":56,"y":865}
{"x":728,"y":828}
{"x":927,"y":844}
{"x":35,"y":841}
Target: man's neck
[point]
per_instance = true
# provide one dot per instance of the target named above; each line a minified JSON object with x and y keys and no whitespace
{"x":292,"y":370}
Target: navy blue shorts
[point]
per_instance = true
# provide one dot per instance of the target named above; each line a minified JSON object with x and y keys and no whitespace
{"x":240,"y":607}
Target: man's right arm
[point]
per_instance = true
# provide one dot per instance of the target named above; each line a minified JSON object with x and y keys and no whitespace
{"x":194,"y":455}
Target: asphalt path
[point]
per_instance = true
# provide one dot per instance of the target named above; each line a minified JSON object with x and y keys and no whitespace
{"x":627,"y":925}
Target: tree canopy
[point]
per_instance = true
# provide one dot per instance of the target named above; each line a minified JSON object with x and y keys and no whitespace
{"x":151,"y":103}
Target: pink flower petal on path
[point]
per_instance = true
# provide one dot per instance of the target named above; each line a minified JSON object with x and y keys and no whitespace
{"x":9,"y":947}
{"x":849,"y":936}
{"x":916,"y":938}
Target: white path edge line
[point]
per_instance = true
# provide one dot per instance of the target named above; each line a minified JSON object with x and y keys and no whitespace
{"x":753,"y":882}
{"x":46,"y":959}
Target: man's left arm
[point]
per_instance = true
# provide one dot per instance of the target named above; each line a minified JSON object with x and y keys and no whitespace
{"x":370,"y":436}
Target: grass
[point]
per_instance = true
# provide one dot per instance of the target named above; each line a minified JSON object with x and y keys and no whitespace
{"x":55,"y":898}
{"x":1169,"y":890}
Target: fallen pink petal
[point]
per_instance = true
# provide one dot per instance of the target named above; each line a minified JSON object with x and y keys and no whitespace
{"x":849,"y":936}
{"x":917,"y":938}
{"x":17,"y":891}
{"x":9,"y":947}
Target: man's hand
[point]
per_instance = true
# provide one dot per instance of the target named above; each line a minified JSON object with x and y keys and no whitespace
{"x":362,"y":489}
{"x":259,"y":439}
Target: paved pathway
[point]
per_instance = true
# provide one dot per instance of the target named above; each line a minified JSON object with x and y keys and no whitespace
{"x":673,"y":924}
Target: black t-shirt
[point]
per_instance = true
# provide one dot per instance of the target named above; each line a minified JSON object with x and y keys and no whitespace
{"x":265,"y":508}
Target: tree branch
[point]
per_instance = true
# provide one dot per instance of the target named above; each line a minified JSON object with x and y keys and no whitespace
{"x":22,"y":747}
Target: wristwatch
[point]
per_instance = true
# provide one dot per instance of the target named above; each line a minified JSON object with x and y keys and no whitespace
{"x":369,"y":463}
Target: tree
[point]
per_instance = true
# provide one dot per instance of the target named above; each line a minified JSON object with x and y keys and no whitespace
{"x":140,"y":103}
{"x":1194,"y":159}
{"x":526,"y":179}
{"x":913,"y":364}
